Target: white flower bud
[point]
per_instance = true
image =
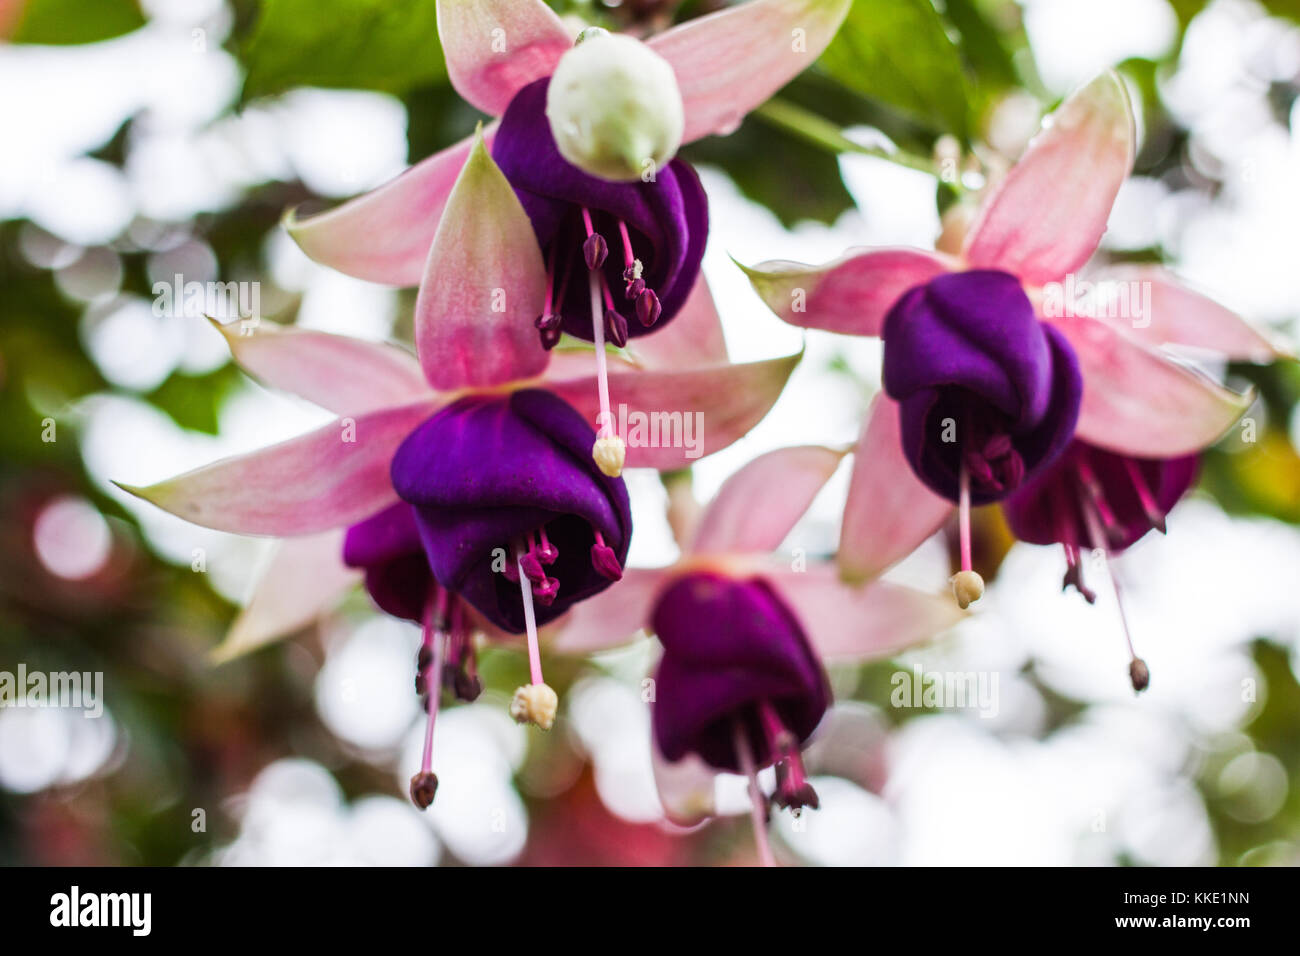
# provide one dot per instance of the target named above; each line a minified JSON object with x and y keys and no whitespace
{"x":614,"y":107}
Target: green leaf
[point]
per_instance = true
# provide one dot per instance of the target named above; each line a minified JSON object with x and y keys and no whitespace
{"x":386,"y":45}
{"x":76,"y":21}
{"x":793,"y":179}
{"x":899,"y":52}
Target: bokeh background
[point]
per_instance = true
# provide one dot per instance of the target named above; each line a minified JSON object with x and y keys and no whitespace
{"x":139,"y":141}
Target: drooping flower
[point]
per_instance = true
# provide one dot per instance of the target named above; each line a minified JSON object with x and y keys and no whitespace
{"x":1099,"y":501}
{"x":960,"y":349}
{"x":620,"y":258}
{"x":741,"y":684}
{"x":422,"y":487}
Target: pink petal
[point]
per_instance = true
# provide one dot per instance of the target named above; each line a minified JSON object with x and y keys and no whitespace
{"x":612,"y":617}
{"x":888,"y":512}
{"x":758,"y":505}
{"x":308,"y":484}
{"x":851,"y":295}
{"x":690,"y":412}
{"x":1181,"y":316}
{"x":729,"y":62}
{"x":305,"y":578}
{"x":1046,"y":218}
{"x":876,"y":620}
{"x":686,"y":788}
{"x":345,"y":375}
{"x":385,"y":235}
{"x":1139,"y":402}
{"x":494,"y":48}
{"x":483,"y":286}
{"x":694,"y":337}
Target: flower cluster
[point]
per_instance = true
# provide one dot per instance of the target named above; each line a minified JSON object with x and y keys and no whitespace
{"x":475,"y":487}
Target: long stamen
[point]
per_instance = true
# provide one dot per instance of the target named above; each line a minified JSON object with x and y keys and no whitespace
{"x":550,"y":278}
{"x":757,"y":802}
{"x":608,"y":451}
{"x":967,"y":585}
{"x":1139,"y":673}
{"x":424,"y":785}
{"x":964,"y":516}
{"x":1144,"y":495}
{"x":535,"y":703}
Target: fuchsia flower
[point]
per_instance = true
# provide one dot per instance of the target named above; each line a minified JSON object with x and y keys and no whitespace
{"x":1090,"y":498}
{"x":984,"y":381}
{"x":472,"y":506}
{"x":740,"y":685}
{"x":643,"y":238}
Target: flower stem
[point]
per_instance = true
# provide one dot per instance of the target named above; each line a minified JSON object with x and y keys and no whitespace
{"x":821,"y":132}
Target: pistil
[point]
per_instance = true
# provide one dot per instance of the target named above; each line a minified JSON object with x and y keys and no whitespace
{"x":425,"y":783}
{"x":967,"y":585}
{"x":535,"y":703}
{"x":608,"y":451}
{"x":1139,"y":673}
{"x":757,"y":801}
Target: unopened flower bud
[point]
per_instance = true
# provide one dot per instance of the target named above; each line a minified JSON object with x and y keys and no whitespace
{"x":608,"y":453}
{"x":535,"y":704}
{"x":614,"y":107}
{"x":967,"y":588}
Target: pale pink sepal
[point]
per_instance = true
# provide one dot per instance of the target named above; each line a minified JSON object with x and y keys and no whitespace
{"x":731,"y":61}
{"x":847,"y":622}
{"x":1140,"y":402}
{"x":494,"y":48}
{"x":612,"y":617}
{"x":888,"y":511}
{"x":385,"y":234}
{"x":305,"y":578}
{"x":1180,"y":316}
{"x":851,"y":295}
{"x":757,"y":507}
{"x":693,"y":338}
{"x":686,"y":788}
{"x":700,"y":410}
{"x":1047,"y":216}
{"x":344,"y":375}
{"x":328,"y":478}
{"x":483,"y":286}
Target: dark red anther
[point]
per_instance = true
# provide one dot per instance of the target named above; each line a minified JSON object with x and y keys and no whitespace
{"x":615,"y":328}
{"x":548,"y":321}
{"x":532,"y":567}
{"x":594,"y":251}
{"x":605,"y":561}
{"x":550,"y":337}
{"x":423,"y":786}
{"x":546,"y":591}
{"x":648,"y":308}
{"x":547,"y":553}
